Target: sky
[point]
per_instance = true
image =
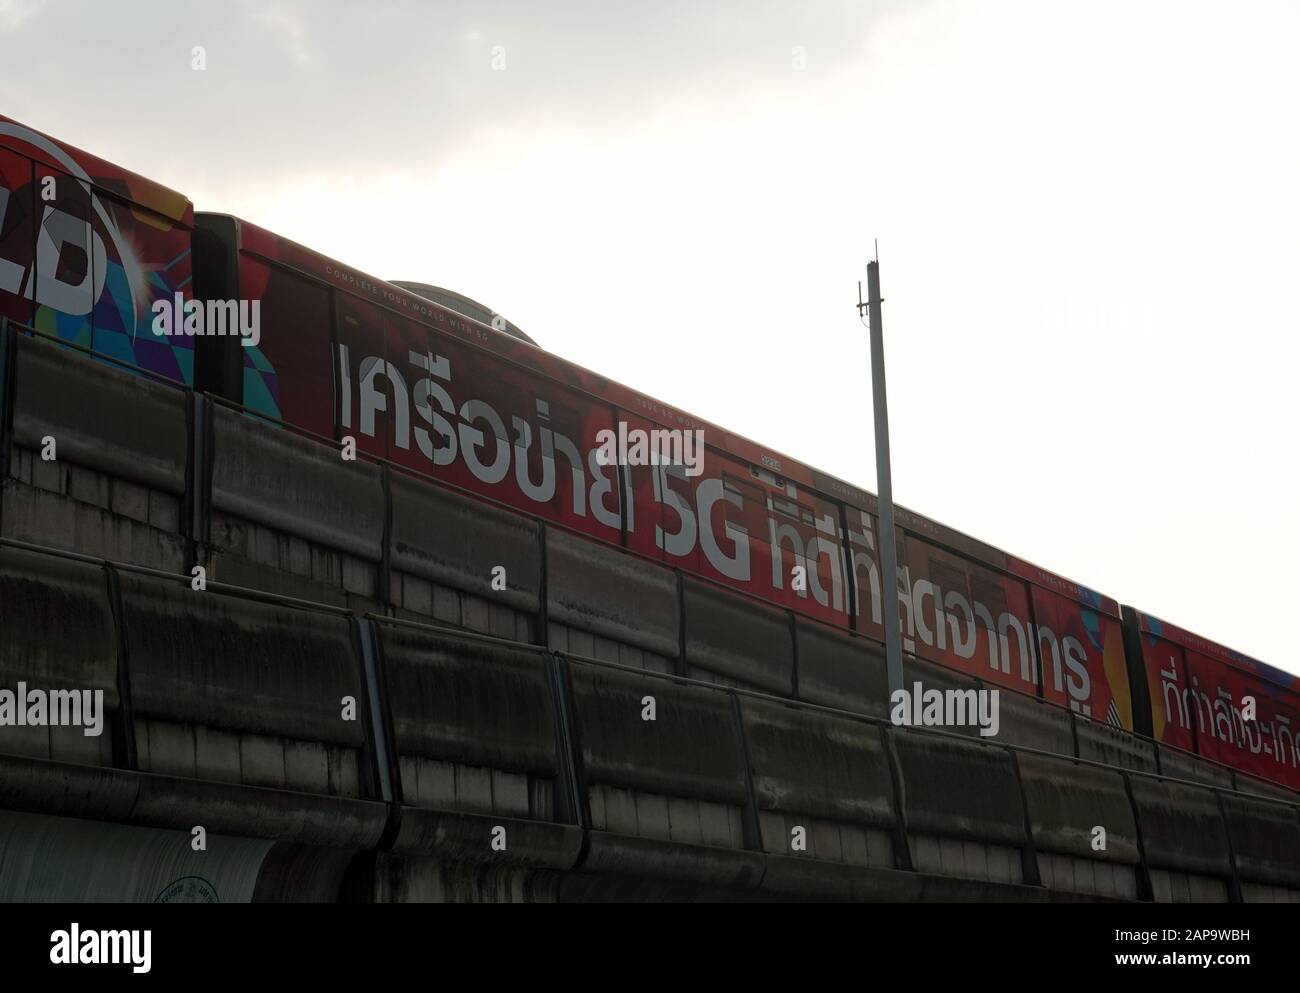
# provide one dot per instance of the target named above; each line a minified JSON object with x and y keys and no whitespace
{"x":1088,"y":219}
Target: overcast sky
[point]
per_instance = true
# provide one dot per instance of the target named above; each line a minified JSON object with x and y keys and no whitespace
{"x":1088,"y":216}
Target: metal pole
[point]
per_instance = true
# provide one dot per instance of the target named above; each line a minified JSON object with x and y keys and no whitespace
{"x":888,"y":547}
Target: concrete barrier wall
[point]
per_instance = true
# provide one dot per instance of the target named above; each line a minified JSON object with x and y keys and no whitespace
{"x":679,"y":777}
{"x":116,"y":484}
{"x":120,"y":424}
{"x":1177,"y":764}
{"x":234,"y":690}
{"x":290,"y":516}
{"x":1185,"y":841}
{"x":1066,"y":802}
{"x":452,"y":540}
{"x":1262,"y":787}
{"x":473,"y":724}
{"x":962,"y":807}
{"x":57,"y":633}
{"x":1030,"y":723}
{"x":607,"y":592}
{"x":837,"y":670}
{"x":1266,"y":845}
{"x":1103,"y":743}
{"x":829,"y":775}
{"x":736,"y":641}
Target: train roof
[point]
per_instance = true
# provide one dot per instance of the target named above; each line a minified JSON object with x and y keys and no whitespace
{"x":466,"y":306}
{"x":100,"y":173}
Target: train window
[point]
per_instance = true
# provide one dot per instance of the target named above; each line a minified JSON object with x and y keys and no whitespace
{"x":767,"y":476}
{"x":792,"y":508}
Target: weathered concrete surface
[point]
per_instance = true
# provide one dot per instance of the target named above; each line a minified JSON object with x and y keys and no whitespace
{"x":125,"y":426}
{"x":738,"y":638}
{"x":450,"y":539}
{"x":611,"y":593}
{"x":295,"y":485}
{"x":56,"y":633}
{"x":1102,"y":743}
{"x":473,"y":723}
{"x":837,"y":670}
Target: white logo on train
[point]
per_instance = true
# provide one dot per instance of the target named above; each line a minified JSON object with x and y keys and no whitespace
{"x":59,"y":229}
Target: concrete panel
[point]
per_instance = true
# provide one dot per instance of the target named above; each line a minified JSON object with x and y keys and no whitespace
{"x":1031,"y":723}
{"x":420,"y":879}
{"x":1113,"y":746}
{"x":738,"y":638}
{"x":690,"y":749}
{"x":56,"y":625}
{"x":71,"y":790}
{"x":838,"y":670}
{"x":1177,"y":764}
{"x":959,"y":789}
{"x":469,"y":837}
{"x":237,"y":570}
{"x":1262,"y":787}
{"x":608,"y":592}
{"x":105,"y":418}
{"x":457,"y":541}
{"x":301,"y":818}
{"x":239,"y":665}
{"x":1265,"y":839}
{"x":810,"y":763}
{"x":698,"y":864}
{"x":475,"y":703}
{"x":1181,"y":827}
{"x":46,"y":518}
{"x":295,"y":485}
{"x":1067,"y":800}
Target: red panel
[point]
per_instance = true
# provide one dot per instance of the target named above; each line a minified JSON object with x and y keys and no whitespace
{"x":374,"y":407}
{"x":289,"y":375}
{"x":1201,"y":702}
{"x":1169,"y":689}
{"x":1264,"y":746}
{"x":968,"y":617}
{"x":1081,"y":649}
{"x":17,"y":236}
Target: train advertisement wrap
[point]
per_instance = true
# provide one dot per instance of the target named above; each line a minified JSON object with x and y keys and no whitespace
{"x":1220,"y":704}
{"x":495,"y":416}
{"x":87,"y":248}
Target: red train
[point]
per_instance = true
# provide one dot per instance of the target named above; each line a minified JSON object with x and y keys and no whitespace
{"x":88,"y":250}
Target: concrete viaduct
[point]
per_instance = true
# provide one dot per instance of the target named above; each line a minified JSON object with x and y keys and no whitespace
{"x":350,"y":712}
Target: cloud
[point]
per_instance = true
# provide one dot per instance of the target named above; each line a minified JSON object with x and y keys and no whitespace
{"x":281,"y":18}
{"x":15,"y":13}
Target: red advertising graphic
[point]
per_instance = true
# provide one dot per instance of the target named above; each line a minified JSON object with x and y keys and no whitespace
{"x":1220,"y":704}
{"x":87,"y":249}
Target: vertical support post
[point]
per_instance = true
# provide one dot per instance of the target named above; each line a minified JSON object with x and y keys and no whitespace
{"x":885,"y":487}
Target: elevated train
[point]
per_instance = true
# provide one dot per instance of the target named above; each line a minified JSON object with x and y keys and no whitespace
{"x":87,"y":249}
